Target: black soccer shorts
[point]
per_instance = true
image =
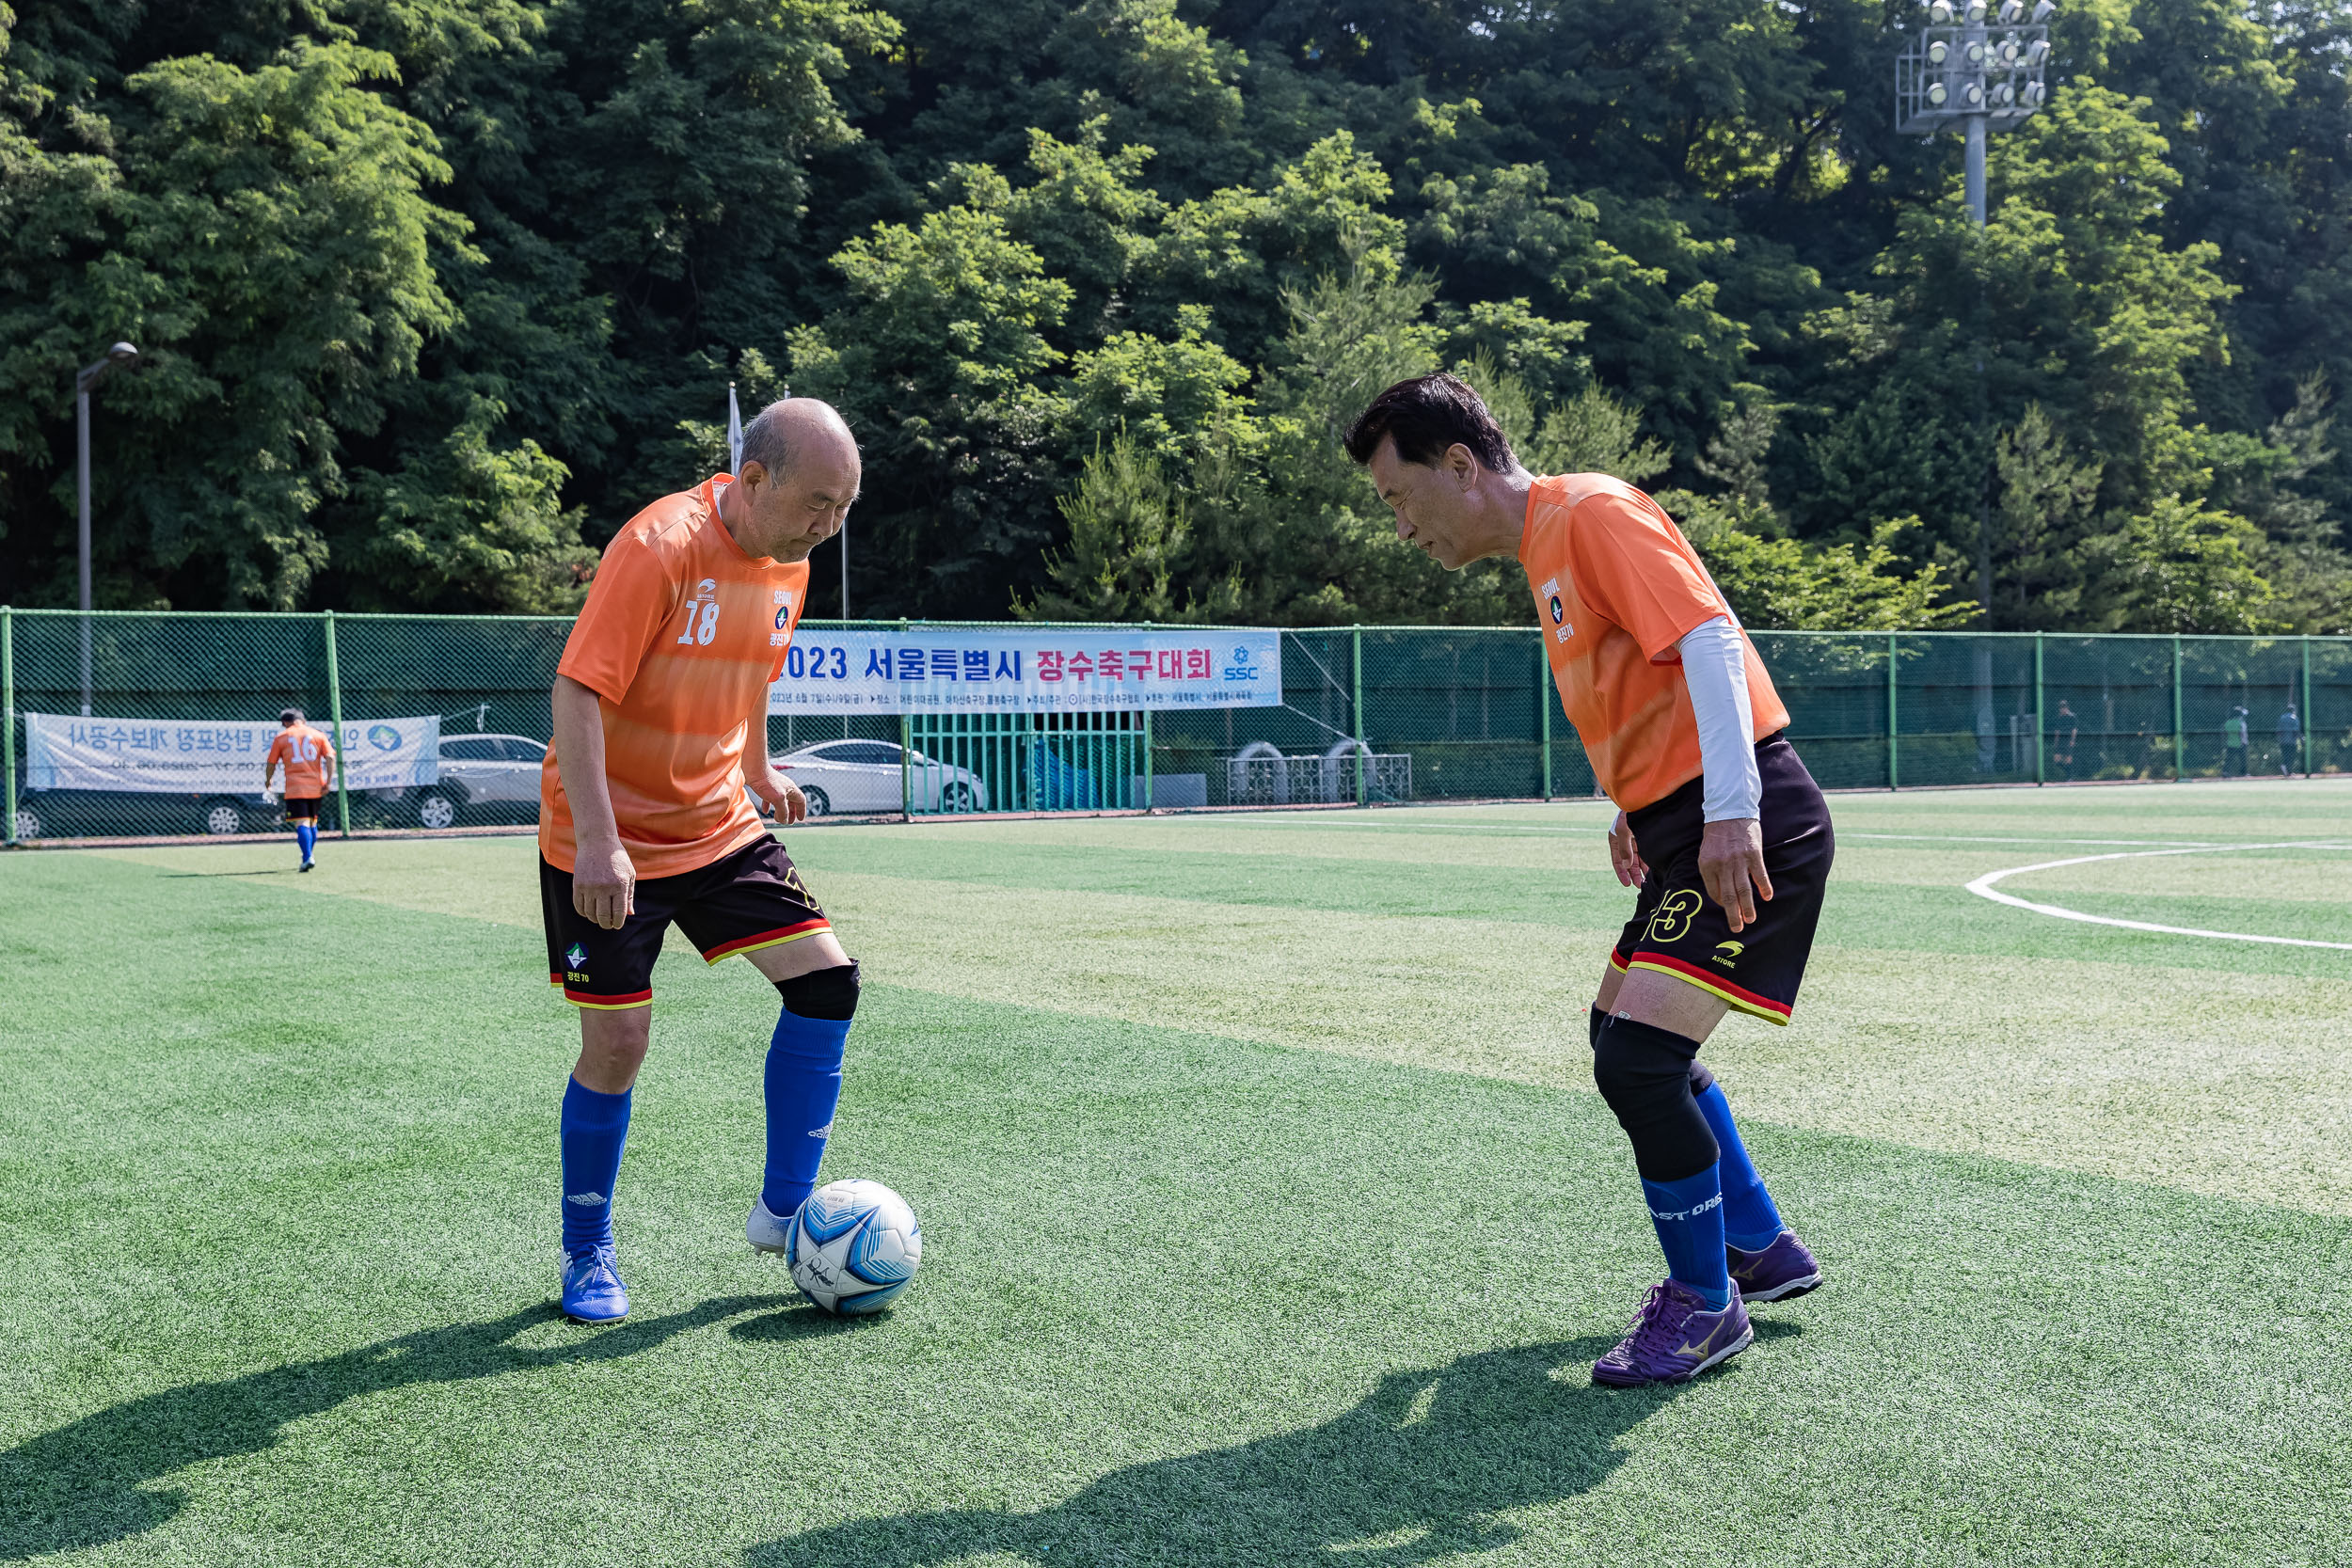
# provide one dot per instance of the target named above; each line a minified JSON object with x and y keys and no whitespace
{"x":745,"y":901}
{"x":303,"y":807}
{"x":1676,"y":929}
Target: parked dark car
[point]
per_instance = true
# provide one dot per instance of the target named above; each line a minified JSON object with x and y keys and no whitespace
{"x":124,"y":814}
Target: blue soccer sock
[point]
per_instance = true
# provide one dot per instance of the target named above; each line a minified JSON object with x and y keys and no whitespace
{"x":803,"y":1084}
{"x":594,"y":1129}
{"x":1689,"y":1215}
{"x":1751,"y":1220}
{"x":306,"y":835}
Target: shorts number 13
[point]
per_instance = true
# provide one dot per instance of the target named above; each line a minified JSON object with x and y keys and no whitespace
{"x":1674,"y":916}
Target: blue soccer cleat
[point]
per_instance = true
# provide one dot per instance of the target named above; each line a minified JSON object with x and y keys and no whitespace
{"x":593,"y":1291}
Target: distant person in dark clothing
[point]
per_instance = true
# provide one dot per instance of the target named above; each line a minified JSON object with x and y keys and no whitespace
{"x":2064,"y":729}
{"x":2290,"y":740}
{"x":2233,"y":743}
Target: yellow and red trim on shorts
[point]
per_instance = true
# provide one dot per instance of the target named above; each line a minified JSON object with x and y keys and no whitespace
{"x":596,"y":1004}
{"x":1616,"y":960}
{"x":1740,"y":999}
{"x":776,"y":937}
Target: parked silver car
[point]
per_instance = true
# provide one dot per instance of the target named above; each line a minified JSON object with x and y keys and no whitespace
{"x":860,"y":776}
{"x":487,"y":778}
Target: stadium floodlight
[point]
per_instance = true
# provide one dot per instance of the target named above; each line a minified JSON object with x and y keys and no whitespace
{"x":1972,"y":95}
{"x":1940,"y":12}
{"x":1972,"y":12}
{"x":1937,"y":94}
{"x":2044,"y":10}
{"x":1937,"y":51}
{"x":1974,"y":52}
{"x":2009,"y":51}
{"x":2034,"y":95}
{"x":2002,"y":94}
{"x":2012,"y":10}
{"x":2038,"y":51}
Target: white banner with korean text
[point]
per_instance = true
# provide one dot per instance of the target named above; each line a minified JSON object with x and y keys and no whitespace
{"x":1026,"y":669}
{"x":205,"y":757}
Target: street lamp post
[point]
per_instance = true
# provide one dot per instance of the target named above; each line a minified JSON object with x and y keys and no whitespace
{"x":1977,"y":66}
{"x":85,"y":383}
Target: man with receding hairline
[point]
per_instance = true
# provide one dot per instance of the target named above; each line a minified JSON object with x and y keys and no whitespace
{"x":660,"y":705}
{"x":1721,"y":828}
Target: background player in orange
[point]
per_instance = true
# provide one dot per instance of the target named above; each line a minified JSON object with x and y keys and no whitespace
{"x":308,"y":758}
{"x":1721,"y":828}
{"x":660,"y":707}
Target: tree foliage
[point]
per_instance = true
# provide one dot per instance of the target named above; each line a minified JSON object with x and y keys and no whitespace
{"x":433,"y":296}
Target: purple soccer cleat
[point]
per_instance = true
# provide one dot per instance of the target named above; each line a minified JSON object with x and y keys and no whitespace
{"x":1785,"y":1268}
{"x":1675,"y":1337}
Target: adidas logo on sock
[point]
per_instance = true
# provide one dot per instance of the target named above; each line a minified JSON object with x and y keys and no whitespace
{"x":824,"y":1131}
{"x":587,"y":1200}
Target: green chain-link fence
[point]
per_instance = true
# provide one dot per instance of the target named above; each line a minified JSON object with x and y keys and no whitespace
{"x":1369,"y":715}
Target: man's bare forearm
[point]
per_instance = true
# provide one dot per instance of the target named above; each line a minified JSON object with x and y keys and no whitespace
{"x":580,"y":761}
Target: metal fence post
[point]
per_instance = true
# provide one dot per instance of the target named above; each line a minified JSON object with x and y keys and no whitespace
{"x":1543,"y":708}
{"x":1894,"y":769}
{"x":1363,"y":747}
{"x":2311,"y":726}
{"x":906,"y":766}
{"x":8,"y":712}
{"x":2040,"y":773}
{"x":334,"y":716}
{"x":2179,"y":737}
{"x":1147,"y":760}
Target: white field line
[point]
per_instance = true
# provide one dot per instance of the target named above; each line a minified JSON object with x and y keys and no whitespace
{"x":1982,"y":887}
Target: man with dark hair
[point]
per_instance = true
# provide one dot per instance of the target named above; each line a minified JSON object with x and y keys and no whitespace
{"x":2289,"y":740}
{"x":660,"y":707}
{"x":309,"y":759}
{"x":1720,"y":828}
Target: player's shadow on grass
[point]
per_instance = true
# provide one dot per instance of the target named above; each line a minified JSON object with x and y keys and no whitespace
{"x":1421,"y":1469}
{"x":85,"y":1484}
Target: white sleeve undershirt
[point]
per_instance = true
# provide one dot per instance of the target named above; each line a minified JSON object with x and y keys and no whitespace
{"x":1715,"y":667}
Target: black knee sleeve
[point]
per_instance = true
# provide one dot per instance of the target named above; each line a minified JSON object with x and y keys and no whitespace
{"x":823,"y":993}
{"x":1701,"y":1080}
{"x":1646,"y":1074}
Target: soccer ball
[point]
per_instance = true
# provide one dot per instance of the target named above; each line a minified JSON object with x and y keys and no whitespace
{"x":854,"y":1247}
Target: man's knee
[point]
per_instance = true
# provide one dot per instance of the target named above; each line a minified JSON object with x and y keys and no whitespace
{"x":829,"y":994}
{"x":1650,"y":1078}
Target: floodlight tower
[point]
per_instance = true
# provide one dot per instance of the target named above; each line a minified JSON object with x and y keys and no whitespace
{"x":1978,"y":65}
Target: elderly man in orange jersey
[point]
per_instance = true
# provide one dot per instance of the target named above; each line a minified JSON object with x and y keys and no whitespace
{"x":1721,"y":828}
{"x":660,"y":707}
{"x":308,"y":758}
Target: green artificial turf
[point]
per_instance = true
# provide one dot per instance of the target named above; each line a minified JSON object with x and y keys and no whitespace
{"x":1266,"y":1218}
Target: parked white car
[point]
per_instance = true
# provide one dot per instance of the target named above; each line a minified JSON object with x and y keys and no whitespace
{"x":854,"y":777}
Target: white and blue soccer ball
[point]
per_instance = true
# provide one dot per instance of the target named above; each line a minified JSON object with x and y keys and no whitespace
{"x":854,"y":1247}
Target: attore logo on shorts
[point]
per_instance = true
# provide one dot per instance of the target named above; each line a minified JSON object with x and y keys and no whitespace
{"x":576,"y":954}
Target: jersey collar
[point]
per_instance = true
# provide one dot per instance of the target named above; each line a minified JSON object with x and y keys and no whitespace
{"x":709,"y":493}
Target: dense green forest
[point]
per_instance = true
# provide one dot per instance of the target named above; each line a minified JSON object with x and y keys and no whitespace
{"x":433,"y":293}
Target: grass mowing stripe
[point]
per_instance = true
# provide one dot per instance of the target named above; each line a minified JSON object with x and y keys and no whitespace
{"x":1188,"y":1300}
{"x":2077,"y":1047}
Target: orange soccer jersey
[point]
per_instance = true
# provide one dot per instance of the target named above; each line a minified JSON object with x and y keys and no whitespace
{"x":310,"y":759}
{"x":1617,"y":588}
{"x":681,"y":637}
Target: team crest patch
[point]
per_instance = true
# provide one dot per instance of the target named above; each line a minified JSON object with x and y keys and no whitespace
{"x":784,"y":614}
{"x":576,"y":954}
